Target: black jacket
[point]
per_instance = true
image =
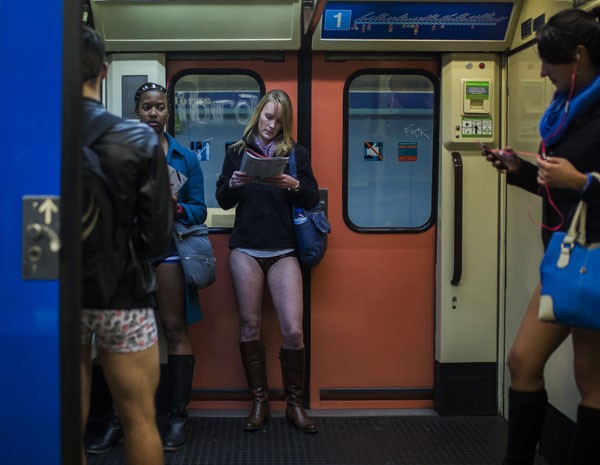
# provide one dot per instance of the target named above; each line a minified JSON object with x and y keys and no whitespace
{"x":581,"y":146}
{"x":133,"y":160}
{"x":263,"y":217}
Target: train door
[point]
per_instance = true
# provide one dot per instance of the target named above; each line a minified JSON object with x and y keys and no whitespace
{"x":374,"y":146}
{"x":213,"y":100}
{"x":39,"y":391}
{"x":389,"y":324}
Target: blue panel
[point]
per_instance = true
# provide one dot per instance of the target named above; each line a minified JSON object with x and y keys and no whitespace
{"x":31,"y":81}
{"x":414,"y":100}
{"x":416,"y":20}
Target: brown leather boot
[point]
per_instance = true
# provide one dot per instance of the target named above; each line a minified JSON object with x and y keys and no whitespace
{"x":253,"y":358}
{"x":292,"y":369}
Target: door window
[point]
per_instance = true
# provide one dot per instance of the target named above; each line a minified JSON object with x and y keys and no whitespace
{"x":390,"y":142}
{"x":210,"y":111}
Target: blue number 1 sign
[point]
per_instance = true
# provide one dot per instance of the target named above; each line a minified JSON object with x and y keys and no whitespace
{"x":337,"y":20}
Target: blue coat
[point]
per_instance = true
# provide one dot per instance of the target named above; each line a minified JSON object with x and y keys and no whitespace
{"x":191,"y":198}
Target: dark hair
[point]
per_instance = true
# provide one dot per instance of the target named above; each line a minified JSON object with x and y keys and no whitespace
{"x":145,"y":88}
{"x":93,"y":54}
{"x":564,"y":31}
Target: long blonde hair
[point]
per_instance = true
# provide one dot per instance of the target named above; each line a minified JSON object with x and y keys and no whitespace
{"x":283,"y":142}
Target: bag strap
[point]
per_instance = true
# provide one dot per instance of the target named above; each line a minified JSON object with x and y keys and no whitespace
{"x":292,"y":162}
{"x":576,"y":231}
{"x":293,"y":171}
{"x":577,"y":228}
{"x":572,"y":235}
{"x":98,"y":126}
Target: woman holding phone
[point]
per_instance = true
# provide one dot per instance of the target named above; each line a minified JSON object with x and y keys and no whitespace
{"x":569,"y":47}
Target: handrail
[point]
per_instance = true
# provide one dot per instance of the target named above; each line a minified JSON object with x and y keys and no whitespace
{"x":312,"y":16}
{"x":458,"y":217}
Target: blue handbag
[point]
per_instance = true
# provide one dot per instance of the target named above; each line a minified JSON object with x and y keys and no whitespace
{"x":570,"y":275}
{"x":310,"y":228}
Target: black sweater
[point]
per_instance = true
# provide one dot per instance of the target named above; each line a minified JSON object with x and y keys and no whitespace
{"x":580,"y":144}
{"x":263,"y":218}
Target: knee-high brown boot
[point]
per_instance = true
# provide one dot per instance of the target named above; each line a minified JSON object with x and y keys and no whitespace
{"x":292,"y":369}
{"x":253,"y":358}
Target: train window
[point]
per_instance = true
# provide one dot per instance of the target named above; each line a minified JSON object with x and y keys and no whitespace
{"x":210,"y":111}
{"x":390,"y":137}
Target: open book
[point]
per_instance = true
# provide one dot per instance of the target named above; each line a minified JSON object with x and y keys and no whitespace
{"x":255,"y":164}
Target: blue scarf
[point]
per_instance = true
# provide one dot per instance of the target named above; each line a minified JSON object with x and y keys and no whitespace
{"x":560,"y":114}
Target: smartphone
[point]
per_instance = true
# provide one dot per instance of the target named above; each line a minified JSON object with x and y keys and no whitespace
{"x":486,"y":150}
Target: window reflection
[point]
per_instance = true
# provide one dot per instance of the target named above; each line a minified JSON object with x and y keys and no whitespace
{"x":211,"y":112}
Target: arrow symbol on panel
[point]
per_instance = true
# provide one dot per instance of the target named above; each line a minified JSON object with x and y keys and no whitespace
{"x":47,"y":208}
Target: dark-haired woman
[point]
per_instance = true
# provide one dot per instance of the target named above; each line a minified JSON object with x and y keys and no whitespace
{"x":569,"y":47}
{"x":263,"y":251}
{"x":178,"y":304}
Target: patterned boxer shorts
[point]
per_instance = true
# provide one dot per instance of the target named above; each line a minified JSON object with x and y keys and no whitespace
{"x":121,"y":331}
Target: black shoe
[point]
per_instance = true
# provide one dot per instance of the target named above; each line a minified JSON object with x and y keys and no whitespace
{"x":175,"y":433}
{"x":112,"y":435}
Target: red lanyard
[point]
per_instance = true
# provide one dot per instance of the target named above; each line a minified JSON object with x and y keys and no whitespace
{"x":543,"y":153}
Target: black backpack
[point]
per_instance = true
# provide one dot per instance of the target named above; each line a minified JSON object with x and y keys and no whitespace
{"x":102,"y":260}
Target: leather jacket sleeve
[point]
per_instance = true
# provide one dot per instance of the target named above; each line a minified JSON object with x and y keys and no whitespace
{"x":154,"y":206}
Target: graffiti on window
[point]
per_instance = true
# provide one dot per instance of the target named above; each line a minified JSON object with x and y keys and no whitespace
{"x":214,"y":107}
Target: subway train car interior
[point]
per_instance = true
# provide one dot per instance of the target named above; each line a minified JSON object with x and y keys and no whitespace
{"x":432,"y":256}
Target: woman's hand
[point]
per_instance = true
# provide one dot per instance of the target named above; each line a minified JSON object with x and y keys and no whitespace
{"x":239,"y":179}
{"x":504,"y":160}
{"x":284,"y":181}
{"x":559,"y":172}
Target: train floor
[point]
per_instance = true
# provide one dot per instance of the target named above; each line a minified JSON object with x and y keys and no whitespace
{"x":365,"y":437}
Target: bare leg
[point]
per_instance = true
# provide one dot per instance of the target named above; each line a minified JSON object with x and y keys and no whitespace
{"x":248,"y":283}
{"x":533,"y":346}
{"x":133,"y":379}
{"x":586,"y":346}
{"x":285,"y":284}
{"x":170,"y":298}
